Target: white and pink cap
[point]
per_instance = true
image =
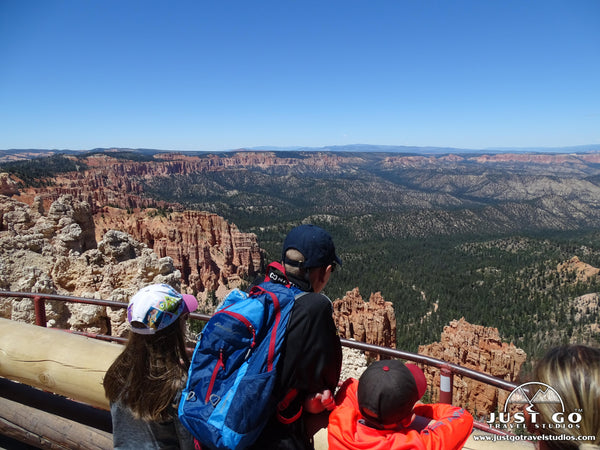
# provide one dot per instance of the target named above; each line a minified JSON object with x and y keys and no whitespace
{"x":155,"y":307}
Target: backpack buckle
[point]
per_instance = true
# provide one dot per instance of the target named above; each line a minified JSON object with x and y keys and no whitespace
{"x":214,"y":399}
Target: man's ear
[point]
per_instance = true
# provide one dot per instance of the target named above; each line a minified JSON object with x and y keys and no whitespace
{"x":323,"y":273}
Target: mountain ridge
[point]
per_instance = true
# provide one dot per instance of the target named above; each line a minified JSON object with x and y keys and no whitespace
{"x":20,"y":154}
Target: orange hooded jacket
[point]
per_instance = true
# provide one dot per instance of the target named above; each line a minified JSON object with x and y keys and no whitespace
{"x":450,"y":429}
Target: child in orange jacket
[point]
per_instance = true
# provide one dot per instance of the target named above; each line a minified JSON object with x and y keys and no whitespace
{"x":379,"y":411}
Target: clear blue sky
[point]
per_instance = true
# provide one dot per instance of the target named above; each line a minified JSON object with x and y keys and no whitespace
{"x":219,"y":74}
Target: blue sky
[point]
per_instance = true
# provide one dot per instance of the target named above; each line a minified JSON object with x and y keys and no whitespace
{"x":218,"y":74}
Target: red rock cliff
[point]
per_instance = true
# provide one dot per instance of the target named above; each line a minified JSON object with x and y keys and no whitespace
{"x":211,"y":254}
{"x":118,"y":182}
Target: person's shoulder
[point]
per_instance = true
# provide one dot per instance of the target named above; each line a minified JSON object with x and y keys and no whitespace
{"x":347,"y":390}
{"x":314,"y":296}
{"x":313,"y":301}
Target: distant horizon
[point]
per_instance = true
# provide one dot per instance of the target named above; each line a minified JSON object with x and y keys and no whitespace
{"x":340,"y":148}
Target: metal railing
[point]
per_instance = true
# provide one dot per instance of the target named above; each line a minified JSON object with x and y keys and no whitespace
{"x":447,"y":370}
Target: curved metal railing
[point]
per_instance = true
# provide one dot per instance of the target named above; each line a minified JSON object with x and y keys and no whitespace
{"x":447,"y":370}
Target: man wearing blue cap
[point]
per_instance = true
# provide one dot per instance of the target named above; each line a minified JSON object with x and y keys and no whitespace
{"x":312,"y":354}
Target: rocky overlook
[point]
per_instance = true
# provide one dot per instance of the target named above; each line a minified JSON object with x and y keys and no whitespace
{"x":56,"y":252}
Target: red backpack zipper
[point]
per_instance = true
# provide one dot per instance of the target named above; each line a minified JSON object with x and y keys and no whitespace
{"x":221,"y":363}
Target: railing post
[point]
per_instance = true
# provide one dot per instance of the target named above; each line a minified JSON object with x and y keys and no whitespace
{"x":40,"y":311}
{"x":446,"y":380}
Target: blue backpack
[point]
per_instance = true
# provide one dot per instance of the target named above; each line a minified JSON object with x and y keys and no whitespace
{"x":228,"y":398}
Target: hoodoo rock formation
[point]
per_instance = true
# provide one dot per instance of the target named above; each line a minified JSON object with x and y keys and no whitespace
{"x":211,"y":254}
{"x":7,"y":185}
{"x":57,"y":253}
{"x":373,"y":322}
{"x":479,"y":348}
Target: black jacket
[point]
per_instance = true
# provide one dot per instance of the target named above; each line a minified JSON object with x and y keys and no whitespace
{"x":311,"y":362}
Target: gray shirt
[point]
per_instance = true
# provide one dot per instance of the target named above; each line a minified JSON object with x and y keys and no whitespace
{"x":136,"y":434}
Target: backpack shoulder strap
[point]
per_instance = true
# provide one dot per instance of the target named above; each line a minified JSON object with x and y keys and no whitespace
{"x":276,"y":274}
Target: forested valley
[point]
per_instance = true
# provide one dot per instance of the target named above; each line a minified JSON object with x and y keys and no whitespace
{"x":439,"y":243}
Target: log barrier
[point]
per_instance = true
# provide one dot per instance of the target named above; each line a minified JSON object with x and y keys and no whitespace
{"x":61,"y":363}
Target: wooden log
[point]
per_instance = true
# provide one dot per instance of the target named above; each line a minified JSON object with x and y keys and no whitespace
{"x":56,"y":361}
{"x":44,"y":430}
{"x":55,"y":404}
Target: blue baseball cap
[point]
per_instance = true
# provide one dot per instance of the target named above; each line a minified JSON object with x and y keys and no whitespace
{"x":315,"y":244}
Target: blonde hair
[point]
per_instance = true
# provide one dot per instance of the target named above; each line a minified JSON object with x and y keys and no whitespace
{"x":574,"y":371}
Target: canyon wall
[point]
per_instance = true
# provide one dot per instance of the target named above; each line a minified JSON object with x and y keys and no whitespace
{"x":109,"y":180}
{"x":59,"y":241}
{"x":212,"y":255}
